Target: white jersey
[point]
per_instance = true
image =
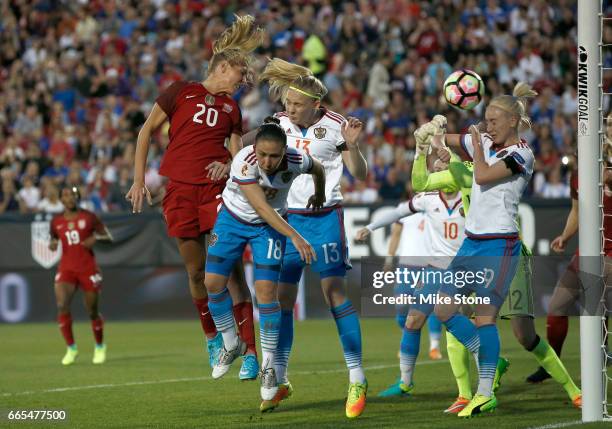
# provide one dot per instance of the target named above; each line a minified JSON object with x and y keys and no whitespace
{"x":494,"y":207}
{"x":445,"y":225}
{"x":412,"y":238}
{"x":245,"y":170}
{"x":323,"y":142}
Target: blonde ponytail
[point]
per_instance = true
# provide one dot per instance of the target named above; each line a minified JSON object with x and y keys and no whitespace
{"x":283,"y":75}
{"x":516,"y":104}
{"x":236,"y":43}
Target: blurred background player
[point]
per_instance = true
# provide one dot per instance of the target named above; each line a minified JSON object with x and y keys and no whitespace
{"x":519,"y":311}
{"x":444,"y":233}
{"x":254,"y":200}
{"x":334,"y":141}
{"x":78,"y":230}
{"x":503,"y":165}
{"x":202,"y":116}
{"x":406,"y":241}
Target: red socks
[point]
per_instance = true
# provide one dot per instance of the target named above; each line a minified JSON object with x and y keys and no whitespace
{"x":97,"y":326}
{"x":208,"y":326}
{"x":556,"y":331}
{"x":243,"y":315}
{"x":64,"y":321}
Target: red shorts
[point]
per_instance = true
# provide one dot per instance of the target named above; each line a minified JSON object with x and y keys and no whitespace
{"x":89,"y":281}
{"x":191,"y":210}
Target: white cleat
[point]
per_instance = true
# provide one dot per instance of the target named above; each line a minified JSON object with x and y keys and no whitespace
{"x":269,"y":386}
{"x":226,"y":357}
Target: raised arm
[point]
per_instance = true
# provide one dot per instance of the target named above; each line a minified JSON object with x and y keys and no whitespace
{"x":352,"y":157}
{"x":385,"y":219}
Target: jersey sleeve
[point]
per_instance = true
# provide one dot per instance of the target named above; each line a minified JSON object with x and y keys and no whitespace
{"x":167,"y":99}
{"x":389,"y":217}
{"x":53,"y":229}
{"x":299,"y":161}
{"x":417,"y":203}
{"x":98,"y":226}
{"x":423,"y":181}
{"x":520,"y":160}
{"x":244,"y":167}
{"x":467,"y":145}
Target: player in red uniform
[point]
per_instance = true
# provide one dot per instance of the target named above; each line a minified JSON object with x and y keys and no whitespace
{"x":568,"y":288}
{"x":202,"y":116}
{"x":78,"y":230}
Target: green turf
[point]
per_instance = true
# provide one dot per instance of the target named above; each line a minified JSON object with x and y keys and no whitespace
{"x":155,"y":352}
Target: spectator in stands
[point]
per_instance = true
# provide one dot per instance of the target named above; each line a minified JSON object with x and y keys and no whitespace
{"x":28,"y":196}
{"x":51,"y":203}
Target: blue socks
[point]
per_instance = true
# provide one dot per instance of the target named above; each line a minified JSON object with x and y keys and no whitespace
{"x":269,"y":328}
{"x":349,"y":331}
{"x":220,"y":306}
{"x":487,"y":358}
{"x":285,"y":341}
{"x":409,"y":350}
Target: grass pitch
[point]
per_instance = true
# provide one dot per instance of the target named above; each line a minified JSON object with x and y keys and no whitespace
{"x":157,"y":376}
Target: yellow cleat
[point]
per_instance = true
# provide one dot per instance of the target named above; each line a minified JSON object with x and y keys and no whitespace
{"x":356,"y":401}
{"x":285,"y":390}
{"x":435,"y":354}
{"x":479,"y":404}
{"x":99,"y":354}
{"x":70,"y":356}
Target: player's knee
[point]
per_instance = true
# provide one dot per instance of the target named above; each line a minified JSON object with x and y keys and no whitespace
{"x":63,"y":308}
{"x":442,"y":313}
{"x":415,"y":320}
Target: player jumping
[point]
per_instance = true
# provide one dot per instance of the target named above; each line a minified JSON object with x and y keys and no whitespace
{"x":202,"y":116}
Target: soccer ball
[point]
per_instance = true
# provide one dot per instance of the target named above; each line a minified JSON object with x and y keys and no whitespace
{"x":463,"y":89}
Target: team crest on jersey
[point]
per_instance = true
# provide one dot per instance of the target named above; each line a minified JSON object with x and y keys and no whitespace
{"x":70,"y":225}
{"x":40,"y":243}
{"x":81,"y":224}
{"x":227,"y":108}
{"x":320,"y":132}
{"x":245,"y":170}
{"x":213,"y":239}
{"x":209,"y":100}
{"x":286,"y":176}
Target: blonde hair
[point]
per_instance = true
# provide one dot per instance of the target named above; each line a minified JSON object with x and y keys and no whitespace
{"x":516,"y":104}
{"x":236,"y":43}
{"x":283,"y":75}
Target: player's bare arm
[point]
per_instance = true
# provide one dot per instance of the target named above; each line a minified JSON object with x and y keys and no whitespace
{"x":353,"y":158}
{"x":571,"y":227}
{"x":218,"y":170}
{"x":138,"y":191}
{"x":257,"y":199}
{"x":483,"y":172}
{"x":317,"y":200}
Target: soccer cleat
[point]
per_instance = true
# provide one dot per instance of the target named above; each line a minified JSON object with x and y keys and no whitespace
{"x":99,"y":354}
{"x":435,"y":354}
{"x":285,"y":390}
{"x":502,"y":368}
{"x":456,"y":407}
{"x":269,"y":386}
{"x":539,"y":376}
{"x":249,"y":368}
{"x":70,"y":356}
{"x":397,"y":389}
{"x":226,"y":358}
{"x":577,"y":402}
{"x":356,"y":400}
{"x":479,"y":404}
{"x":215,"y":347}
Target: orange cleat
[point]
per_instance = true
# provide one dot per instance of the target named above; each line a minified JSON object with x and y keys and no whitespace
{"x":435,"y":354}
{"x":356,"y":400}
{"x":577,"y":401}
{"x":459,"y":404}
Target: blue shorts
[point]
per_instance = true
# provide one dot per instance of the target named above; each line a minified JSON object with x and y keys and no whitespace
{"x":325,"y":233}
{"x":424,"y":292}
{"x":496,"y":258}
{"x":228,"y":239}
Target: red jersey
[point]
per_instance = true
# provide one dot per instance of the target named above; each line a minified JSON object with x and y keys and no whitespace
{"x":607,"y":211}
{"x":199,"y":124}
{"x":72,"y":233}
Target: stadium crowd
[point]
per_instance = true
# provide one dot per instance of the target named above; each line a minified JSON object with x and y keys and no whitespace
{"x":77,"y":79}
